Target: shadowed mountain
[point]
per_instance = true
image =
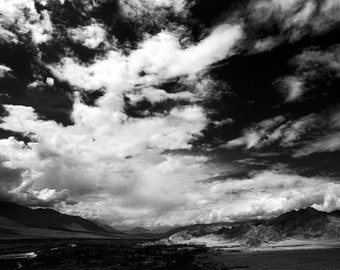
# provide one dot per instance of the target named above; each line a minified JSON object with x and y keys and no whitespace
{"x":107,"y":227}
{"x":307,"y":222}
{"x":202,"y":229}
{"x":46,"y":218}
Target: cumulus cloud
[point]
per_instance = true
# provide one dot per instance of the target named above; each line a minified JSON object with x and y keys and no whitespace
{"x":102,"y":160}
{"x":271,"y":193}
{"x":141,"y":168}
{"x":26,"y":19}
{"x":7,"y":37}
{"x":90,"y":36}
{"x":138,"y":8}
{"x":160,"y":57}
{"x":106,"y":159}
{"x":170,"y":60}
{"x":158,"y":95}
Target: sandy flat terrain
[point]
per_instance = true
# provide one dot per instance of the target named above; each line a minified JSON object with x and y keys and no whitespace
{"x":286,"y":255}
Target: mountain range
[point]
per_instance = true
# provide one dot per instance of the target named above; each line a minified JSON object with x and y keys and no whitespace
{"x":307,"y":223}
{"x":18,"y":221}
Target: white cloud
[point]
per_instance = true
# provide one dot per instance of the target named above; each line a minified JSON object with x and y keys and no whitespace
{"x":139,"y":8}
{"x":117,"y":171}
{"x":322,"y":130}
{"x":107,"y":160}
{"x":4,"y":70}
{"x":294,"y":88}
{"x":328,"y":143}
{"x":158,"y":95}
{"x":265,"y":44}
{"x":327,"y":62}
{"x":326,"y":59}
{"x":161,"y":57}
{"x":103,"y":158}
{"x":7,"y":37}
{"x":163,"y":54}
{"x":294,"y":19}
{"x":270,"y":193}
{"x":278,"y":129}
{"x":260,"y":134}
{"x":23,"y":15}
{"x":90,"y":36}
{"x":124,"y":169}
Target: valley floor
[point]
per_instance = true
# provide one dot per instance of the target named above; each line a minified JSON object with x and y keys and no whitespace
{"x":137,"y":254}
{"x":297,"y":259}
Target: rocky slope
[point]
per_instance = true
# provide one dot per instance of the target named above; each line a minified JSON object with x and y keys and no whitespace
{"x":304,"y":223}
{"x":16,"y":215}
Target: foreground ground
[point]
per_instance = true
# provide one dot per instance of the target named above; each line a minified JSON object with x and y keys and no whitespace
{"x":136,"y":254}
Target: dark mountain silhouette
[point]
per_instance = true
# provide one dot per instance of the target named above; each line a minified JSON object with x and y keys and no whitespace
{"x":47,"y":218}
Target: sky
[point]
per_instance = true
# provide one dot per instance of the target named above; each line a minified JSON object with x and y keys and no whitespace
{"x":170,"y":112}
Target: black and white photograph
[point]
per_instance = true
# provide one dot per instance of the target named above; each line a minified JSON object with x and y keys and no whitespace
{"x":170,"y":134}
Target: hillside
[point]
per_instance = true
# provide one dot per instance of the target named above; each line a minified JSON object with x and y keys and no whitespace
{"x":301,"y":224}
{"x":14,"y":215}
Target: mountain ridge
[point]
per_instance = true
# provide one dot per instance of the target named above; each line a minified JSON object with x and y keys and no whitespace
{"x":304,"y":223}
{"x":47,"y":218}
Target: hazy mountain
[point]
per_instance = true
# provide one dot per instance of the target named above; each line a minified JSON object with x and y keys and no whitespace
{"x":107,"y":227}
{"x":45,"y":218}
{"x":138,"y":230}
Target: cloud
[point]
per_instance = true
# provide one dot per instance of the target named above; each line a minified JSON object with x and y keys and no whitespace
{"x":294,"y":88}
{"x":291,"y":20}
{"x":7,"y":37}
{"x":303,"y":136}
{"x":104,"y":161}
{"x":160,"y":57}
{"x":26,"y":19}
{"x":138,"y":8}
{"x":163,"y":54}
{"x":312,"y":65}
{"x":4,"y":70}
{"x":106,"y":158}
{"x":121,"y":177}
{"x":326,"y":59}
{"x":276,"y":130}
{"x":269,"y":193}
{"x":328,"y":143}
{"x":259,"y":135}
{"x":158,"y":95}
{"x":90,"y":36}
{"x":265,"y":44}
{"x":130,"y":163}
